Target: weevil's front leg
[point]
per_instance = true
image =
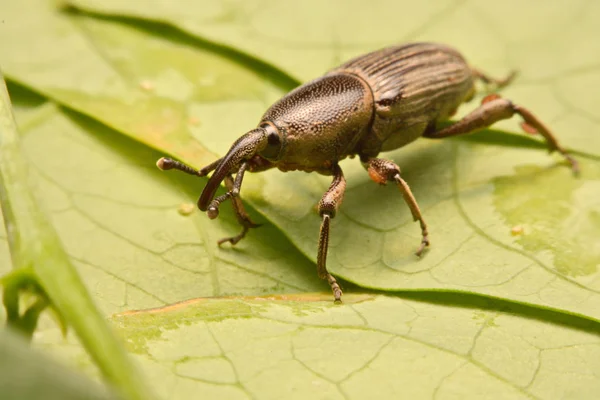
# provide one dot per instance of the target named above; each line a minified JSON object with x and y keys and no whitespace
{"x":240,"y":213}
{"x":327,"y":208}
{"x":233,"y":192}
{"x":493,"y":109}
{"x":383,"y":171}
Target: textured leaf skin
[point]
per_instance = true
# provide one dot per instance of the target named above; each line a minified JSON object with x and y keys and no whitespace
{"x":305,"y":347}
{"x":464,"y":187}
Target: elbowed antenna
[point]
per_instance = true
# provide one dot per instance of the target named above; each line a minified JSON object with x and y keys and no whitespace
{"x":243,"y":149}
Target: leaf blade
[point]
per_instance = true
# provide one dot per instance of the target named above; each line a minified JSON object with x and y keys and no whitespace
{"x":408,"y":348}
{"x":374,"y":248}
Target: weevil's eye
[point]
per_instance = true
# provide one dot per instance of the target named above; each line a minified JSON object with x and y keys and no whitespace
{"x":274,"y":143}
{"x":274,"y":139}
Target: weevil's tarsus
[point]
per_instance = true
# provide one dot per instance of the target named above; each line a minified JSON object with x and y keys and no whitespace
{"x":498,"y":83}
{"x":246,"y":147}
{"x":240,"y":213}
{"x":414,"y":208}
{"x":497,"y":109}
{"x":382,"y":171}
{"x":328,"y":206}
{"x":543,"y":130}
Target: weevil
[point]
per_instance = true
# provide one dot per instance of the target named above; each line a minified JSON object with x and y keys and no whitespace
{"x":373,"y":103}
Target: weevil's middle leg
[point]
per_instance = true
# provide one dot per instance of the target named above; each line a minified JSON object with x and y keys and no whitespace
{"x":240,"y":213}
{"x":383,"y":171}
{"x":493,"y":109}
{"x":328,"y":206}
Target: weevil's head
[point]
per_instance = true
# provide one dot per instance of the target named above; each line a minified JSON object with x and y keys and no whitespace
{"x":260,"y":148}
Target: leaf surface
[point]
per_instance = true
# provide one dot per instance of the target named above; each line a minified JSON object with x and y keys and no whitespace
{"x":303,"y":347}
{"x":472,"y":195}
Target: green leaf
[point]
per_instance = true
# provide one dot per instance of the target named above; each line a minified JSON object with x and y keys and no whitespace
{"x":463,"y":187}
{"x":438,"y":182}
{"x":26,"y":374}
{"x":37,"y":252}
{"x":370,"y":347}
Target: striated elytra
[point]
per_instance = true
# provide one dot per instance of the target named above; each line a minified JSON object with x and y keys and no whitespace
{"x":376,"y":102}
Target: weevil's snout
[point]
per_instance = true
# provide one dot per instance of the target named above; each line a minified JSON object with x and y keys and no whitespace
{"x":243,"y":149}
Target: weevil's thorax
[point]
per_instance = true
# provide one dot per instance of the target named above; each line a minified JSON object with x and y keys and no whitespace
{"x":321,"y":122}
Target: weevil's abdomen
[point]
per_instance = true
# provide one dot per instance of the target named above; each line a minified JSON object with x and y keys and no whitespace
{"x":413,"y":86}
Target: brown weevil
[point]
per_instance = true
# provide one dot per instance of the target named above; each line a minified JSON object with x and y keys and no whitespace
{"x":373,"y":103}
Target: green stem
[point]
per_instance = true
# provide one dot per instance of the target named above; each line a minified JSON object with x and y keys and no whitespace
{"x":34,"y":244}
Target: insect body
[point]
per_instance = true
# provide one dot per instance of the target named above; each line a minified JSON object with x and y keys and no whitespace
{"x":376,"y":102}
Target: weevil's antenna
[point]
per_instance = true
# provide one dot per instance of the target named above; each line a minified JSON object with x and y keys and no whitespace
{"x":165,"y":163}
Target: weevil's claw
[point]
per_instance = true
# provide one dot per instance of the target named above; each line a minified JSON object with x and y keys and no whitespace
{"x":574,"y":164}
{"x":506,"y":81}
{"x":233,"y":240}
{"x":424,"y":243}
{"x":570,"y":159}
{"x":335,"y":288}
{"x":247,"y":224}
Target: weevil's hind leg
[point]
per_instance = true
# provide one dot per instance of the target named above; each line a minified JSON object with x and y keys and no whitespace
{"x":328,"y":206}
{"x":383,"y":171}
{"x":240,"y":213}
{"x":493,"y":109}
{"x":498,"y":83}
